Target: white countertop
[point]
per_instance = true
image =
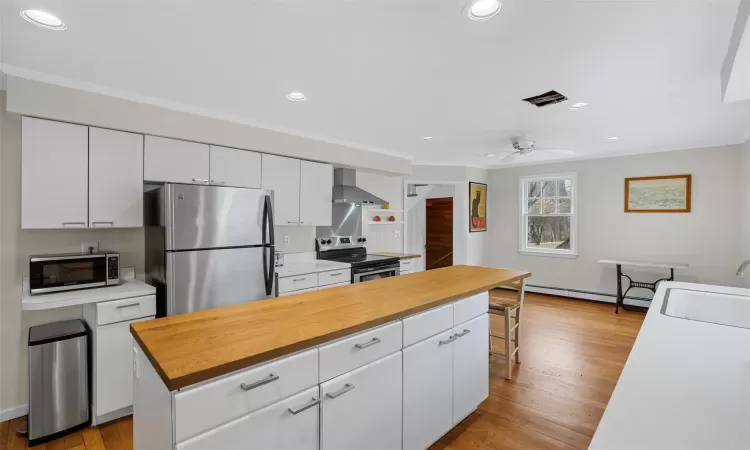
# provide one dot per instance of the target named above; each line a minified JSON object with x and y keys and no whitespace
{"x":127,"y":288}
{"x":294,"y":268}
{"x":686,"y":385}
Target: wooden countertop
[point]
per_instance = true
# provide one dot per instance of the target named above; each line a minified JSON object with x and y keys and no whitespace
{"x":199,"y":346}
{"x":399,"y":255}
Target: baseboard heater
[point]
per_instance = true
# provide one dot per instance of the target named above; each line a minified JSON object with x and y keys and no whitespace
{"x":577,"y":293}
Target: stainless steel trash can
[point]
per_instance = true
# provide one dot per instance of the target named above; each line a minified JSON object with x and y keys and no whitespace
{"x":58,"y":380}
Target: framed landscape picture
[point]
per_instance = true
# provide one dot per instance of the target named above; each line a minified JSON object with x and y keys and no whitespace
{"x":477,"y":207}
{"x":669,"y":193}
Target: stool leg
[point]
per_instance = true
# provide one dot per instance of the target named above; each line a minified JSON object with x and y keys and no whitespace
{"x":518,"y":335}
{"x":490,"y":336}
{"x":508,"y":351}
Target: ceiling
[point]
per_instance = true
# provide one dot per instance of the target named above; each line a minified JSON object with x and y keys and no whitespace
{"x":381,"y":74}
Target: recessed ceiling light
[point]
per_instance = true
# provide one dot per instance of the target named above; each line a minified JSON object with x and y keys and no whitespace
{"x":490,"y":155}
{"x":296,"y":97}
{"x":484,"y":9}
{"x":426,"y":138}
{"x":612,"y":138}
{"x":43,"y":19}
{"x":579,"y":105}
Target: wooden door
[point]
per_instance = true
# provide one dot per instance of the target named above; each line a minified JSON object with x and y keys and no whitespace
{"x":439,"y":233}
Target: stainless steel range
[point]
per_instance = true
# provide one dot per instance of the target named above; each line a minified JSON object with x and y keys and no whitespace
{"x":353,"y":250}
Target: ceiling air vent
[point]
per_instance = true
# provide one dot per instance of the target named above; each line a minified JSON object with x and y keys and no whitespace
{"x":546,"y":99}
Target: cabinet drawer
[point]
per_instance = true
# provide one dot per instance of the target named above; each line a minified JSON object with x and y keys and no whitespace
{"x":346,"y":283}
{"x":125,"y":309}
{"x":357,"y":350}
{"x":405,"y":272}
{"x":409,"y":264}
{"x":334,"y":277}
{"x":209,"y":405}
{"x":426,"y":324}
{"x":470,"y":307}
{"x":289,"y":284}
{"x":313,"y":289}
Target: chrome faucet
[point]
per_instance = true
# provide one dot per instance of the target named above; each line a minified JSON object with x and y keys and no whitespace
{"x":741,"y":269}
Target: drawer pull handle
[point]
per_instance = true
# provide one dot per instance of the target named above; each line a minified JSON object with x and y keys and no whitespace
{"x":218,"y":182}
{"x":269,"y":379}
{"x":299,"y":279}
{"x":200,"y":180}
{"x":463,"y":333}
{"x":337,"y":274}
{"x":369,"y":343}
{"x":73,"y":224}
{"x":103,"y":224}
{"x":313,"y":402}
{"x":449,"y":340}
{"x":347,"y":387}
{"x":405,"y":263}
{"x":129,"y":305}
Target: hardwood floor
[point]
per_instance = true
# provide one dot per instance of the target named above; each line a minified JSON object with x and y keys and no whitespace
{"x":572,"y":353}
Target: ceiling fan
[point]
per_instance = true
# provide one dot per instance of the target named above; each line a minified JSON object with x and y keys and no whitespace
{"x":525,"y":147}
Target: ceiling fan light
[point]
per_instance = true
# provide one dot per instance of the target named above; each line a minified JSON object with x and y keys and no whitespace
{"x":484,"y":9}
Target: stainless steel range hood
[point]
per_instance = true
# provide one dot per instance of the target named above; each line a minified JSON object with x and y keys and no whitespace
{"x":346,"y":191}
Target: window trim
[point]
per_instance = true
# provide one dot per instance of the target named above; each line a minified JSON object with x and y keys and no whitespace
{"x":523,"y":223}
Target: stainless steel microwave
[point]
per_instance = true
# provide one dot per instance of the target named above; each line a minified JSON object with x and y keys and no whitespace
{"x":54,"y":273}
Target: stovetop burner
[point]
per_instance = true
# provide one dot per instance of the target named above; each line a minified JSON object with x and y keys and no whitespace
{"x":350,"y":250}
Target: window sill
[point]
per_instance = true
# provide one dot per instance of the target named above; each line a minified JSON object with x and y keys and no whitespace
{"x":548,"y":254}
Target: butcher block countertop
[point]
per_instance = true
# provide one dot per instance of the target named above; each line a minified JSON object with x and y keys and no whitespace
{"x":195,"y":347}
{"x":400,"y":255}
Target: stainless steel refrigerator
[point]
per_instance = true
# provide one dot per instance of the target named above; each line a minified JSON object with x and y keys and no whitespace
{"x":208,"y":246}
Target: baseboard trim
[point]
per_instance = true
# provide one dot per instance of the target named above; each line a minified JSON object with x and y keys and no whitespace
{"x":584,"y":295}
{"x":13,"y":413}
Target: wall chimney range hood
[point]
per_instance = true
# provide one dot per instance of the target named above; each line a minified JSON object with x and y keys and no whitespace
{"x":346,"y":191}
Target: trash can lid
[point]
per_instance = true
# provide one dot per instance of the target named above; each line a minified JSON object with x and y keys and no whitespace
{"x":56,"y":331}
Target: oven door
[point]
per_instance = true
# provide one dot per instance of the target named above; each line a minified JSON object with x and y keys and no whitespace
{"x":58,"y":273}
{"x":374,"y":273}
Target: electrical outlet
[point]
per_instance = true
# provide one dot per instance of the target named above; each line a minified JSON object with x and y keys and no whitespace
{"x":89,"y":247}
{"x":397,"y":234}
{"x":287,"y":240}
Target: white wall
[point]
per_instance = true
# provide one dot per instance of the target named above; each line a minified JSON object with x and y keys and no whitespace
{"x":708,"y":238}
{"x":17,"y":245}
{"x":745,"y":210}
{"x":384,"y":238}
{"x":50,"y":101}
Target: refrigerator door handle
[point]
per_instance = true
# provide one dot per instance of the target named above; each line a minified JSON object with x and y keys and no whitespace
{"x":268,"y":251}
{"x":268,"y":221}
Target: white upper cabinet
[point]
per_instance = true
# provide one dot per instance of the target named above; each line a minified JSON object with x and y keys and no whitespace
{"x":54,"y":174}
{"x":316,"y":194}
{"x":282,"y":176}
{"x":175,"y":161}
{"x":115,"y":179}
{"x":233,"y":167}
{"x":471,"y":378}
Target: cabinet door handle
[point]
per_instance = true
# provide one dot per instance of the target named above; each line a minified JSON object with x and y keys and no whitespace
{"x":369,"y":343}
{"x":73,"y":224}
{"x":129,"y":305}
{"x":289,"y":221}
{"x":449,"y":340}
{"x":313,"y":402}
{"x":97,"y":224}
{"x":337,"y":274}
{"x":218,"y":182}
{"x":269,"y":379}
{"x":200,"y":180}
{"x":463,"y":333}
{"x":299,"y":279}
{"x":405,"y":263}
{"x":347,"y":387}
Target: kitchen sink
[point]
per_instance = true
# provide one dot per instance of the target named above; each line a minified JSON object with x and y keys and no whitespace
{"x":722,"y":309}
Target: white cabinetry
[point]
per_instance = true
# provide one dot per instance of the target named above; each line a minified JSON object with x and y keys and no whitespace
{"x":54,"y":174}
{"x":112,"y":381}
{"x":428,"y":390}
{"x":362,"y":409}
{"x":175,"y":161}
{"x":115,"y":179}
{"x":411,"y":265}
{"x":282,"y":176}
{"x":316,"y":194}
{"x":233,"y":167}
{"x":288,"y":424}
{"x":470,"y":366}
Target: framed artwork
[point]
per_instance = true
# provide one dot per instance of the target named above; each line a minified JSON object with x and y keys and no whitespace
{"x":477,"y":207}
{"x":665,"y":194}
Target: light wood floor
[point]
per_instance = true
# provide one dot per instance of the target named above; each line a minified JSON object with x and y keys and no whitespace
{"x":572,"y":355}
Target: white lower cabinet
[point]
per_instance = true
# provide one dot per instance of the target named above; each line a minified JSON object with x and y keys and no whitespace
{"x":428,"y":390}
{"x":362,"y":408}
{"x":471,"y":377}
{"x":290,"y":424}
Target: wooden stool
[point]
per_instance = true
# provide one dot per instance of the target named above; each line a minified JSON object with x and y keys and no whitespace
{"x":506,"y":307}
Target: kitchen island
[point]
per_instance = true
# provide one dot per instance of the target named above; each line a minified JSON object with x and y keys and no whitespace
{"x":348,"y":367}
